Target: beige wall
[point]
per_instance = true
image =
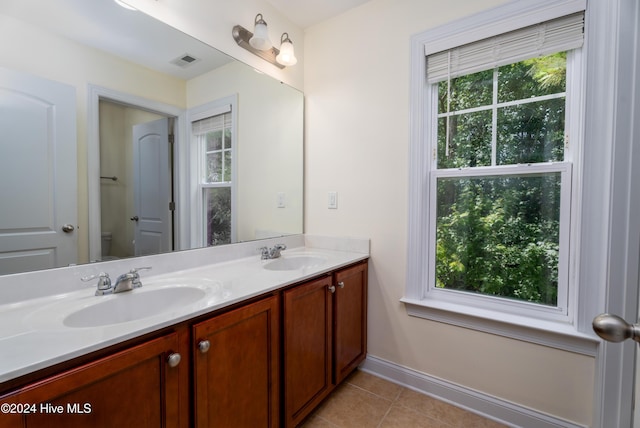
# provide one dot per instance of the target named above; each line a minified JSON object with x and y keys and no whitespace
{"x":357,"y":69}
{"x":79,"y":66}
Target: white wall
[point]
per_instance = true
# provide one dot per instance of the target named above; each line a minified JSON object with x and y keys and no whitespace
{"x":357,"y":69}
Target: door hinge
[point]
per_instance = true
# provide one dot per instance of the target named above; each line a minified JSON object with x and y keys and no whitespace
{"x":172,"y":206}
{"x":172,"y":138}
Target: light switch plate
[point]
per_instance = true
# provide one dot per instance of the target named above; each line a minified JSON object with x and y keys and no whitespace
{"x":281,"y":200}
{"x":333,"y":200}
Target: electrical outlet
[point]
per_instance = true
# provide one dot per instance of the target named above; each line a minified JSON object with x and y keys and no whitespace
{"x":333,"y":200}
{"x":281,"y":200}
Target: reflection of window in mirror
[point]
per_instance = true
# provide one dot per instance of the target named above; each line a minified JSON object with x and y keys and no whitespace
{"x":212,"y":137}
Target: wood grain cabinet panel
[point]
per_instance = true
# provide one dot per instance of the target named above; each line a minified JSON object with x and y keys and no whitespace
{"x":325,"y":338}
{"x":237,"y":367}
{"x":307,"y":348}
{"x":349,"y":321}
{"x":133,"y":388}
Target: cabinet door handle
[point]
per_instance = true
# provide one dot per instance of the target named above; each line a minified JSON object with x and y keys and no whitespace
{"x":332,"y":288}
{"x":204,"y":346}
{"x":341,"y":284}
{"x":174,"y":359}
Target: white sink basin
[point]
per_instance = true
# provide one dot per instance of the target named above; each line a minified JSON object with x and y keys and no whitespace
{"x":131,"y":306}
{"x":160,"y":297}
{"x":295,"y":262}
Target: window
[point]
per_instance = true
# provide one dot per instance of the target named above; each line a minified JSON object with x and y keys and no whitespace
{"x":491,"y":225}
{"x":499,"y":211}
{"x":212,"y":136}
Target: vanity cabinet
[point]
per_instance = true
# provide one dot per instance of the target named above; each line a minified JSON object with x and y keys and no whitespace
{"x":242,"y":366}
{"x":324,"y":338}
{"x":237,"y":367}
{"x":137,"y":387}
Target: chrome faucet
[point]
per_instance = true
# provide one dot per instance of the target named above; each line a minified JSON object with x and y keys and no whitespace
{"x":273,"y":252}
{"x":125,"y":282}
{"x":128,"y":281}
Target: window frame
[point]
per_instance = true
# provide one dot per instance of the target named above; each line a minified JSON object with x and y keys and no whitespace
{"x":204,"y":185}
{"x":197,"y":168}
{"x":481,"y":313}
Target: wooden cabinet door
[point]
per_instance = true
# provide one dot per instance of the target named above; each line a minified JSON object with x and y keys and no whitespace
{"x":132,"y":388}
{"x":236,"y":369}
{"x":350,"y":320}
{"x":307,"y":348}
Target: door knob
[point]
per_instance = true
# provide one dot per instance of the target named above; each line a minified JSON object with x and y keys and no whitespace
{"x":68,"y":228}
{"x":612,"y":328}
{"x":135,"y":218}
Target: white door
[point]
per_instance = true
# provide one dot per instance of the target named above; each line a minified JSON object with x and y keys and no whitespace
{"x":38,"y":173}
{"x":152,"y":188}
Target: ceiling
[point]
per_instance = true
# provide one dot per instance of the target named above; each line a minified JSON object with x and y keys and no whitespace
{"x":306,"y":13}
{"x":144,"y":40}
{"x":137,"y":37}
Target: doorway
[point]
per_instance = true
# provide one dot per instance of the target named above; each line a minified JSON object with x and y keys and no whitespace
{"x":136,"y":175}
{"x":112,"y":174}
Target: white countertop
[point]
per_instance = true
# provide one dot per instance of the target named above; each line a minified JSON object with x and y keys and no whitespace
{"x":33,"y":336}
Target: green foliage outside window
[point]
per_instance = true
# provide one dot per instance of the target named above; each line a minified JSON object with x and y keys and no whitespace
{"x":499,"y":235}
{"x":218,"y":202}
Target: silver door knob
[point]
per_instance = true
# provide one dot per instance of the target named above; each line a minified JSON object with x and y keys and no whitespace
{"x":612,"y":328}
{"x":135,"y":218}
{"x":341,"y":284}
{"x":332,"y":288}
{"x":204,"y":346}
{"x":174,"y":359}
{"x":68,"y":228}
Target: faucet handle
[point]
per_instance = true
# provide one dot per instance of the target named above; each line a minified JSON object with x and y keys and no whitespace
{"x":138,"y":269}
{"x":104,"y":283}
{"x":136,"y":277}
{"x":264,"y":252}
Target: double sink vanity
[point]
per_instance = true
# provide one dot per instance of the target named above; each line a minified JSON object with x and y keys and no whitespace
{"x":209,"y":337}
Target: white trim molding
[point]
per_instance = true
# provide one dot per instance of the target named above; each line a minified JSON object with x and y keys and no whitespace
{"x":485,"y":405}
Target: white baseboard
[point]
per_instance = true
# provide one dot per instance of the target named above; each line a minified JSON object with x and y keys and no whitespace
{"x":494,"y":408}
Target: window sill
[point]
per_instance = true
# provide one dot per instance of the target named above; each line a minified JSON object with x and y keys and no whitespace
{"x":556,"y":335}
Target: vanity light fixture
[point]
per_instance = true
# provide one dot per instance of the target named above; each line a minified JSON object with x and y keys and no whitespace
{"x":253,"y":43}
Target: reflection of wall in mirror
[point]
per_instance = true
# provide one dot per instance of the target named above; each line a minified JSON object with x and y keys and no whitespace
{"x":270,"y":158}
{"x":62,"y":60}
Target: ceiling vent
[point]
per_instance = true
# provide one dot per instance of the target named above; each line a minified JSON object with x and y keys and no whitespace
{"x":185,"y":60}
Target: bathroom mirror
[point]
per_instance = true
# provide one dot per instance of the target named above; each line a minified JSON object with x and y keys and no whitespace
{"x":126,"y":69}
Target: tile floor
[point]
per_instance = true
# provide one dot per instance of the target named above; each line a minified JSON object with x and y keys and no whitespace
{"x":364,"y":400}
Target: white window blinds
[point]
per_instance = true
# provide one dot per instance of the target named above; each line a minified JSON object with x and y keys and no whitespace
{"x":220,"y":121}
{"x":557,"y":35}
